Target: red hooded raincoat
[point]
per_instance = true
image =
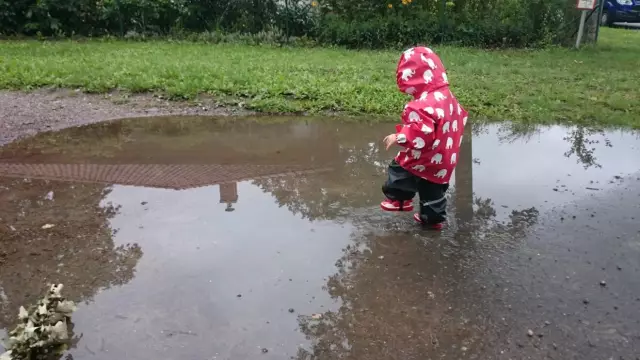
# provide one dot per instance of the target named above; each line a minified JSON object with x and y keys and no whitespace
{"x":433,"y":123}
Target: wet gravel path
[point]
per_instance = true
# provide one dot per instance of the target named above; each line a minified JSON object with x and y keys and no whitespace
{"x":23,"y":114}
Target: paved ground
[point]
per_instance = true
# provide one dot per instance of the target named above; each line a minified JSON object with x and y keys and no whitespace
{"x":539,"y":260}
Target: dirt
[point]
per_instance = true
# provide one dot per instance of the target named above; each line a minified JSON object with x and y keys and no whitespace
{"x":23,"y":114}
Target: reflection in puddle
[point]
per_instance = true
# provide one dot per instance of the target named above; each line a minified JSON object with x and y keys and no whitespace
{"x":227,"y":278}
{"x":211,"y":239}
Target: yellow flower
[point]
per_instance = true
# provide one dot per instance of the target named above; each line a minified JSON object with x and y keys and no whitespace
{"x":404,"y":2}
{"x":314,"y":3}
{"x":390,"y":6}
{"x":409,"y":1}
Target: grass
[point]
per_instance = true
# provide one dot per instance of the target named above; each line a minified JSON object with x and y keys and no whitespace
{"x":595,"y":86}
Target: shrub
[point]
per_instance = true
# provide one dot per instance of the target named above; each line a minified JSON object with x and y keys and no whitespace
{"x":142,"y":16}
{"x":486,"y":23}
{"x":48,"y":17}
{"x":350,"y":23}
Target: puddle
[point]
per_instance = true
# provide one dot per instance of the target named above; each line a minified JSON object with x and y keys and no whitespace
{"x":206,"y":238}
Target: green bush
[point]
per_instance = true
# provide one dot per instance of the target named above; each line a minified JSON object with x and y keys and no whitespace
{"x":142,"y":16}
{"x":48,"y":17}
{"x":378,"y":32}
{"x":485,"y":23}
{"x":349,"y":23}
{"x":158,"y":17}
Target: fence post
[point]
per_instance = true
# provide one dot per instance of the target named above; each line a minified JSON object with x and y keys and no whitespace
{"x":286,"y":21}
{"x":443,"y":7}
{"x":120,"y":18}
{"x":600,"y":10}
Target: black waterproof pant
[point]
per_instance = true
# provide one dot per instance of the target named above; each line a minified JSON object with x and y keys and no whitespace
{"x":403,"y":186}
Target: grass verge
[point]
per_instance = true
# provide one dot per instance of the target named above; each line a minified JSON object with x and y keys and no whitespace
{"x":595,"y":86}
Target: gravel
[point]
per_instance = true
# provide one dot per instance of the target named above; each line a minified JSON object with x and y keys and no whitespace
{"x":24,"y":114}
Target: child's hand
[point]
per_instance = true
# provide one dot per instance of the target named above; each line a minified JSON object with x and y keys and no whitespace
{"x":390,"y":140}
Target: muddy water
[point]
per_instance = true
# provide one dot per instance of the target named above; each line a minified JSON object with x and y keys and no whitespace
{"x":204,"y":238}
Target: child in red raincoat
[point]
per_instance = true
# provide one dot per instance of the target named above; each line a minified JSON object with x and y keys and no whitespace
{"x":431,"y":134}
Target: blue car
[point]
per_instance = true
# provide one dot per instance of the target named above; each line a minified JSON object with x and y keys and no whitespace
{"x":620,"y":11}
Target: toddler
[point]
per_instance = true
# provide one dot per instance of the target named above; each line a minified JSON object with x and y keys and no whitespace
{"x":431,"y":134}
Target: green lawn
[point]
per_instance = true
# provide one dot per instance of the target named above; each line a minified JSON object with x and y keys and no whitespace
{"x":598,"y":85}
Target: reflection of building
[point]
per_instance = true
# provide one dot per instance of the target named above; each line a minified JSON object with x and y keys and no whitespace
{"x":171,"y":176}
{"x":229,"y":194}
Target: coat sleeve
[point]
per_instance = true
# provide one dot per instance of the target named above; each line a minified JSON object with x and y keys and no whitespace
{"x":417,"y":129}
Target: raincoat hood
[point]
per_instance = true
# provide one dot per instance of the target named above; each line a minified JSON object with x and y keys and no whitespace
{"x":420,"y":72}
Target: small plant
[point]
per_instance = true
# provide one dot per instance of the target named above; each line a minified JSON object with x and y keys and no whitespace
{"x":43,"y":331}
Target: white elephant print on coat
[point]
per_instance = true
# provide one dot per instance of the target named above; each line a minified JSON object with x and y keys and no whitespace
{"x":436,"y":159}
{"x":460,"y":142}
{"x":425,"y":129}
{"x":440,"y":113}
{"x":445,"y":127}
{"x":424,"y":96}
{"x":459,"y":110}
{"x":416,"y":154}
{"x":464,"y":121}
{"x":435,"y":144}
{"x":449,"y":143}
{"x":414,"y":117}
{"x":410,"y":90}
{"x":419,"y":168}
{"x":418,"y":143}
{"x":454,"y":126}
{"x":454,"y":158}
{"x":439,"y":96}
{"x":450,"y":109}
{"x":428,"y":61}
{"x":442,"y":173}
{"x":428,"y":76}
{"x":401,"y":138}
{"x":407,"y":74}
{"x":408,"y":54}
{"x":445,"y":79}
{"x":429,"y":110}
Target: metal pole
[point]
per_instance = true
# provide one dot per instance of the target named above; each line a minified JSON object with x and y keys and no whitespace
{"x":286,"y":5}
{"x":120,"y":18}
{"x":583,"y":17}
{"x":600,"y":10}
{"x":443,"y":7}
